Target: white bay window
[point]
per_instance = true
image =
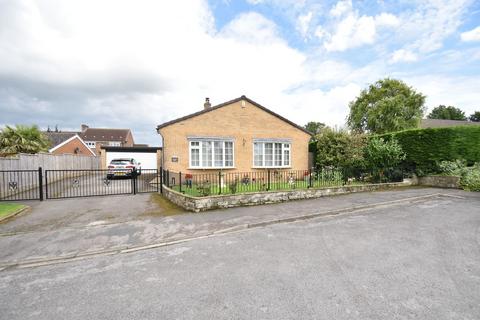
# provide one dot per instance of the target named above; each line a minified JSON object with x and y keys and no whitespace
{"x":211,"y":153}
{"x":271,"y":154}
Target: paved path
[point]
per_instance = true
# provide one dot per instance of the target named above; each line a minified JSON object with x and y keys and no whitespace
{"x":415,"y":261}
{"x":82,"y":235}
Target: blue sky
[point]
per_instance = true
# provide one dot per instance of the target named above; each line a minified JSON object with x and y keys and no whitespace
{"x":129,"y":64}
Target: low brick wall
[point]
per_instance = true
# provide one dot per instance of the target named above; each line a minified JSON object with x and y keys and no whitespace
{"x":198,"y":204}
{"x":440,"y":181}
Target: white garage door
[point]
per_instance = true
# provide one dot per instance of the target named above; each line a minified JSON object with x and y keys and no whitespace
{"x":148,"y":160}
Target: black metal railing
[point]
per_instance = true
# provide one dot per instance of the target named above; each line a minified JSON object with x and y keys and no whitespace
{"x":21,"y":185}
{"x":204,"y":184}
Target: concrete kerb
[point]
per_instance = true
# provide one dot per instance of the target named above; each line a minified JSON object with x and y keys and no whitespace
{"x":243,"y":227}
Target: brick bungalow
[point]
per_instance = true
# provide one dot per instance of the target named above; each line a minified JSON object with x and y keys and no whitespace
{"x":236,"y":136}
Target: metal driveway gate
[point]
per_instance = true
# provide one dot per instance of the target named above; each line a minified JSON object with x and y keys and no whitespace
{"x":59,"y":184}
{"x":89,"y":183}
{"x":21,"y":185}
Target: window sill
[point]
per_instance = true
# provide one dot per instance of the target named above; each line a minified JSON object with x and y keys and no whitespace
{"x":210,"y":168}
{"x":289,"y":167}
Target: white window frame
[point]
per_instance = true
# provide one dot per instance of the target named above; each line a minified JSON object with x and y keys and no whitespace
{"x":283,"y":147}
{"x":90,"y":144}
{"x":114,"y":143}
{"x":200,"y":148}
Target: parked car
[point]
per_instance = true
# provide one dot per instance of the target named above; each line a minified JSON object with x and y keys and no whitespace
{"x":123,"y":167}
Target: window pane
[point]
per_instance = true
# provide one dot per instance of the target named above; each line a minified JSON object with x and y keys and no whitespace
{"x":228,"y":154}
{"x":206,"y":153}
{"x":268,"y":154}
{"x":258,"y":154}
{"x":286,"y":154}
{"x":218,"y":153}
{"x":278,"y":154}
{"x":195,"y":157}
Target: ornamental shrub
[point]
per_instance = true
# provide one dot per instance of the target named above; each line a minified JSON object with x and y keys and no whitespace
{"x":382,"y":157}
{"x":469,"y":176}
{"x":470,"y":180}
{"x":454,"y":168}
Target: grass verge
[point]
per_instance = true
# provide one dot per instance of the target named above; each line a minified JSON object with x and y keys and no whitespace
{"x":9,"y":208}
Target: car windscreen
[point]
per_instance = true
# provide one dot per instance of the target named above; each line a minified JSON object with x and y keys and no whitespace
{"x":120,"y":161}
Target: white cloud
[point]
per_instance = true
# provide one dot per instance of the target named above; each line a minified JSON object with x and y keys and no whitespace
{"x":403,"y":55}
{"x":320,"y":32}
{"x":303,"y":23}
{"x":386,"y":20}
{"x":352,"y":29}
{"x":342,"y":7}
{"x":461,"y":92}
{"x":352,"y":32}
{"x":430,"y":23}
{"x":472,"y":35}
{"x":251,"y":27}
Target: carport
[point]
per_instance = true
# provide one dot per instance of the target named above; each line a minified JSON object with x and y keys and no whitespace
{"x":149,"y":157}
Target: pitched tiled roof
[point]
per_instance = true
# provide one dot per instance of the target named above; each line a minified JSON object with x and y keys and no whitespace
{"x":101,"y":134}
{"x":56,"y":138}
{"x":440,"y":123}
{"x":228,"y":103}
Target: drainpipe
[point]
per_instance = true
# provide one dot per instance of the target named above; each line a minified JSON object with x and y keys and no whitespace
{"x":162,"y":164}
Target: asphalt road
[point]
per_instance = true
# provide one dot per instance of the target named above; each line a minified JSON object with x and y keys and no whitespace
{"x":420,"y":261}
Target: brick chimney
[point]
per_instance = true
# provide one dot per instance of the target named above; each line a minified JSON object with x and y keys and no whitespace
{"x":207,"y":104}
{"x":84,"y":127}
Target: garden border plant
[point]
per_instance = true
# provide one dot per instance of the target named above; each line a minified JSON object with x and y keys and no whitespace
{"x":469,"y":176}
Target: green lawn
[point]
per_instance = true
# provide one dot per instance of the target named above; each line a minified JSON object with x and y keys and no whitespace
{"x":8,"y":208}
{"x":258,"y":187}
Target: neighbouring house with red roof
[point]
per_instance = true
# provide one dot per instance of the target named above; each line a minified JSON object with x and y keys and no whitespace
{"x":87,"y":141}
{"x":95,"y":138}
{"x":67,"y":142}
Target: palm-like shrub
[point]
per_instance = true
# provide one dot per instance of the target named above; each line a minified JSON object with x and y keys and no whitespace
{"x":22,"y":139}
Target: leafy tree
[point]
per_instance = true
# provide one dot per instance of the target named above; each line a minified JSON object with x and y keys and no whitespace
{"x":387,"y":105}
{"x":339,"y":148}
{"x":22,"y":139}
{"x":381,"y":156}
{"x":447,"y":113}
{"x":475,"y":117}
{"x":314,"y":127}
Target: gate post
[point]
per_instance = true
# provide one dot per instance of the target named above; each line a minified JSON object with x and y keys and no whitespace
{"x":168,"y":178}
{"x":268,"y":180}
{"x":134,"y":181}
{"x":180,"y":180}
{"x":161,"y":180}
{"x":310,"y":177}
{"x":40,"y":183}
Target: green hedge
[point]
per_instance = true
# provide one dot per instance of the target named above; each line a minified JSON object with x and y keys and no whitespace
{"x":425,"y":148}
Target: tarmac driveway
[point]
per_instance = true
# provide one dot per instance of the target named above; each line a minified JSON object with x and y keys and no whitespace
{"x":52,"y":215}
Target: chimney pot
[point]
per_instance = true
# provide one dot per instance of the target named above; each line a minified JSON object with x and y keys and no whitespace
{"x":207,"y":104}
